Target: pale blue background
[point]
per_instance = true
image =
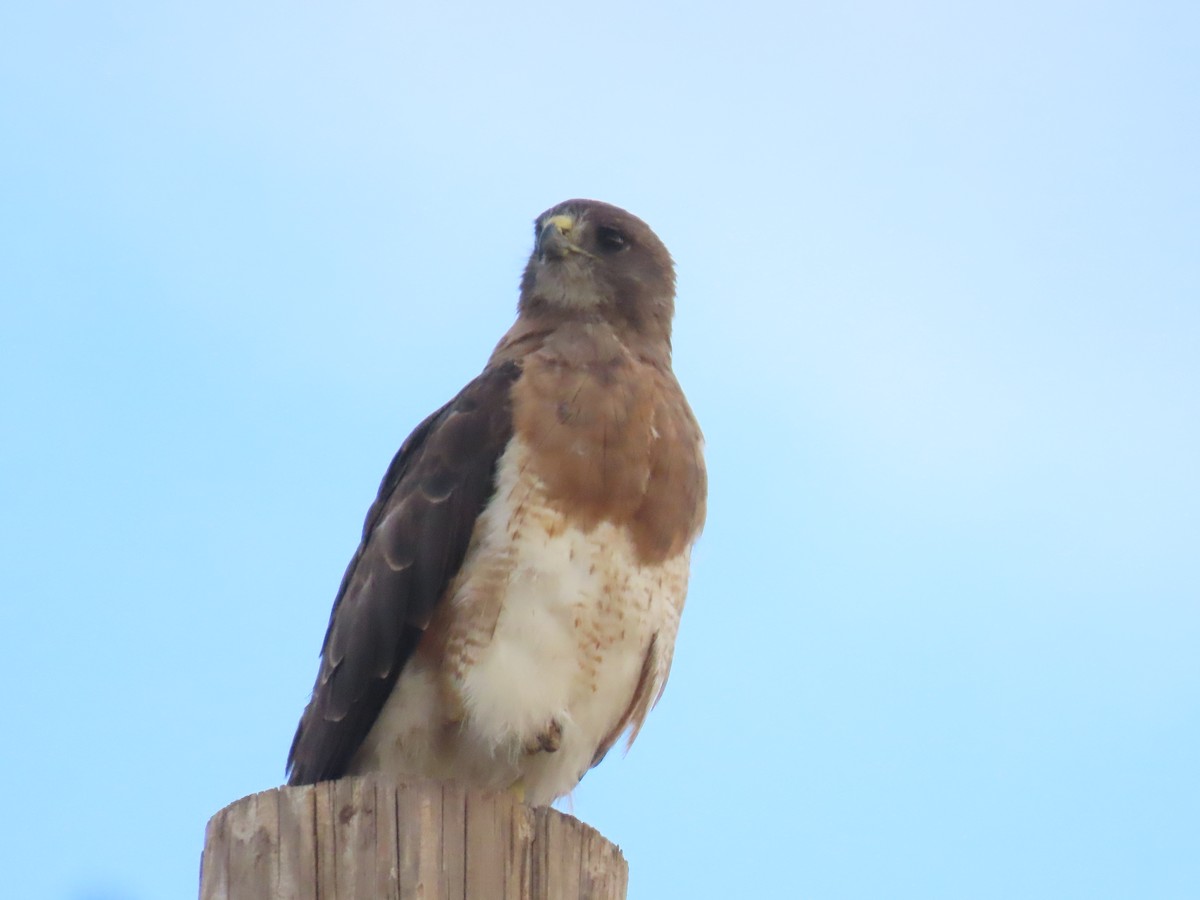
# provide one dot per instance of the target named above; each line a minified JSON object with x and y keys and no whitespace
{"x":939,"y":314}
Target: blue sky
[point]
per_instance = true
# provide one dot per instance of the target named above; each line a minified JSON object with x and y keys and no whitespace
{"x":939,"y":315}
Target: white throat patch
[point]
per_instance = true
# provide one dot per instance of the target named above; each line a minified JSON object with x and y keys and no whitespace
{"x":568,"y":282}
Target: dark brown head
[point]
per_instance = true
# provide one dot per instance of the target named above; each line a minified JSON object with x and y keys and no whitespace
{"x":592,"y":260}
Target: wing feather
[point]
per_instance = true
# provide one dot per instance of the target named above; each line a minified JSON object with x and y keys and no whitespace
{"x":414,"y":540}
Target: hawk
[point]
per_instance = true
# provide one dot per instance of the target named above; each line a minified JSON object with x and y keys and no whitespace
{"x":513,"y":605}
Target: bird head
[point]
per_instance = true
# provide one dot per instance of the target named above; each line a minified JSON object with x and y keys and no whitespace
{"x":595,"y":261}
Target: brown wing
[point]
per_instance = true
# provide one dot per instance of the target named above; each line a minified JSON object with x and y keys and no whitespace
{"x":414,"y":540}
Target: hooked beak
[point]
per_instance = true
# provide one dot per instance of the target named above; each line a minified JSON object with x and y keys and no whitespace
{"x":555,"y":242}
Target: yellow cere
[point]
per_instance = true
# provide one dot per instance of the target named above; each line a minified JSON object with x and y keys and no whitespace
{"x":564,"y":223}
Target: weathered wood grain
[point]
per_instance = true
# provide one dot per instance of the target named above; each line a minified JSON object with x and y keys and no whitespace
{"x":372,"y":839}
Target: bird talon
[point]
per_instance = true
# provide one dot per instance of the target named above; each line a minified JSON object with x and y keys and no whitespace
{"x":547,"y":741}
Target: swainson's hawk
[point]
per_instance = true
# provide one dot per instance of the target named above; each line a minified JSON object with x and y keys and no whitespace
{"x":513,"y":605}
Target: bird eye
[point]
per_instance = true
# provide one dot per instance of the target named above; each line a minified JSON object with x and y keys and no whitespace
{"x":610,"y":239}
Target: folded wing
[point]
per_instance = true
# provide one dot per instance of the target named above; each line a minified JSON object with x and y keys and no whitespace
{"x":414,"y":541}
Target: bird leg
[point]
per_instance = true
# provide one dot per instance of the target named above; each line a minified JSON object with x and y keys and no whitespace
{"x":517,"y":789}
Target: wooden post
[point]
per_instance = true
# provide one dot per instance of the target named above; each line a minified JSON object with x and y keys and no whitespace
{"x":370,"y":839}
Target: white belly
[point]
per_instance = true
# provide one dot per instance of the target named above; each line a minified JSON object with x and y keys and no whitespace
{"x":552,"y":629}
